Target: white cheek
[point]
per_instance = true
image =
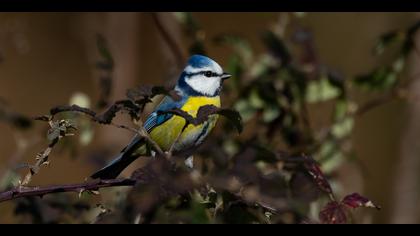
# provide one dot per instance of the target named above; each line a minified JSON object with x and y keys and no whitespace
{"x":205,"y":85}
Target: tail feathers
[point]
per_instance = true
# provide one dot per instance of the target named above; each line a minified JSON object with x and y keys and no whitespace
{"x":113,"y":169}
{"x":126,"y":157}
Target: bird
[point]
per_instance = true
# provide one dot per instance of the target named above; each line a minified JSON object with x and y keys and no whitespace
{"x":199,"y":84}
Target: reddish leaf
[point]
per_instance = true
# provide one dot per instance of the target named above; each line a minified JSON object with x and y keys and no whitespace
{"x":313,"y":168}
{"x":355,"y":200}
{"x":333,"y":213}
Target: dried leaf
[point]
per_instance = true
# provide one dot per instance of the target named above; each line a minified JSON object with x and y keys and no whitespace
{"x":203,"y":114}
{"x":355,"y":200}
{"x":315,"y":171}
{"x":333,"y":213}
{"x":303,"y":187}
{"x":233,"y":116}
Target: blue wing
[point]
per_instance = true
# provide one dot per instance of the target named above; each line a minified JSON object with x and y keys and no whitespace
{"x":167,"y":103}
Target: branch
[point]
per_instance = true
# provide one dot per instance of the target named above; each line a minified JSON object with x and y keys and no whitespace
{"x":20,"y":192}
{"x":143,"y":133}
{"x":57,"y":131}
{"x":203,"y":114}
{"x":375,"y":103}
{"x":42,"y":159}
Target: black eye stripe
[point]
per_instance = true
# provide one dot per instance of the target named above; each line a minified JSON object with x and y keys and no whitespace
{"x":213,"y":74}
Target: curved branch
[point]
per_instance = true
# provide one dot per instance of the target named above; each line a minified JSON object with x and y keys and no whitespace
{"x":21,"y":191}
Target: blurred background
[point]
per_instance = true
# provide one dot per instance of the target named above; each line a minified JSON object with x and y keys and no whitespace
{"x":50,"y":59}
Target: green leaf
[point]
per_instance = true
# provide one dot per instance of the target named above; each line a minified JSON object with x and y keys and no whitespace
{"x":343,"y":128}
{"x":255,"y":99}
{"x":341,"y":108}
{"x":398,"y":65}
{"x":245,"y":109}
{"x":270,"y":113}
{"x":385,"y":41}
{"x":321,"y":90}
{"x":230,"y":147}
{"x":381,"y":78}
{"x":262,"y":65}
{"x":333,"y":162}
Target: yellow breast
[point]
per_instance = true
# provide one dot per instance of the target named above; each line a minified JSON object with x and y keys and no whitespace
{"x":166,"y":133}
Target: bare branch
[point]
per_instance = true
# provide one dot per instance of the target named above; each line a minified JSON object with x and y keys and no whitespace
{"x":21,"y":191}
{"x":143,"y":133}
{"x":203,"y":114}
{"x":375,"y":103}
{"x":58,"y":130}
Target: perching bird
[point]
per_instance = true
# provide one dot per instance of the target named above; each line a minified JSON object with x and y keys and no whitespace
{"x":199,"y":84}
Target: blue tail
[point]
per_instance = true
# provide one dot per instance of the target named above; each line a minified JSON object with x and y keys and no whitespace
{"x":126,"y":157}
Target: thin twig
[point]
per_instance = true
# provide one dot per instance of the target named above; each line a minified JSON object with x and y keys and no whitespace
{"x":374,"y":103}
{"x":142,"y":133}
{"x":42,"y":157}
{"x":106,"y":119}
{"x":22,"y":191}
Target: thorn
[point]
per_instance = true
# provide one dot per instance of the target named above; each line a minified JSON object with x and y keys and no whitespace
{"x":94,"y":192}
{"x":81,"y":192}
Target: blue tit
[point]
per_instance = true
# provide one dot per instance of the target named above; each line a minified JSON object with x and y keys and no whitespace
{"x":199,"y":84}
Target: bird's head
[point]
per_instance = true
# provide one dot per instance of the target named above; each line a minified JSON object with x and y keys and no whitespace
{"x":202,"y":76}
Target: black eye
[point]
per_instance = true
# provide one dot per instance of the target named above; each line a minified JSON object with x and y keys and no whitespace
{"x":208,"y":73}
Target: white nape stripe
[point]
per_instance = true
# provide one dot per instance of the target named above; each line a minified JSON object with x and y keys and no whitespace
{"x":191,"y":70}
{"x":214,"y":68}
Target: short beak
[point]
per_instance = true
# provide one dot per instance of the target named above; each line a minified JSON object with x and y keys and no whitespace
{"x":226,"y":76}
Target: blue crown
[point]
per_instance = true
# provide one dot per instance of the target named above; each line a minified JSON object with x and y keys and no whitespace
{"x":198,"y":61}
